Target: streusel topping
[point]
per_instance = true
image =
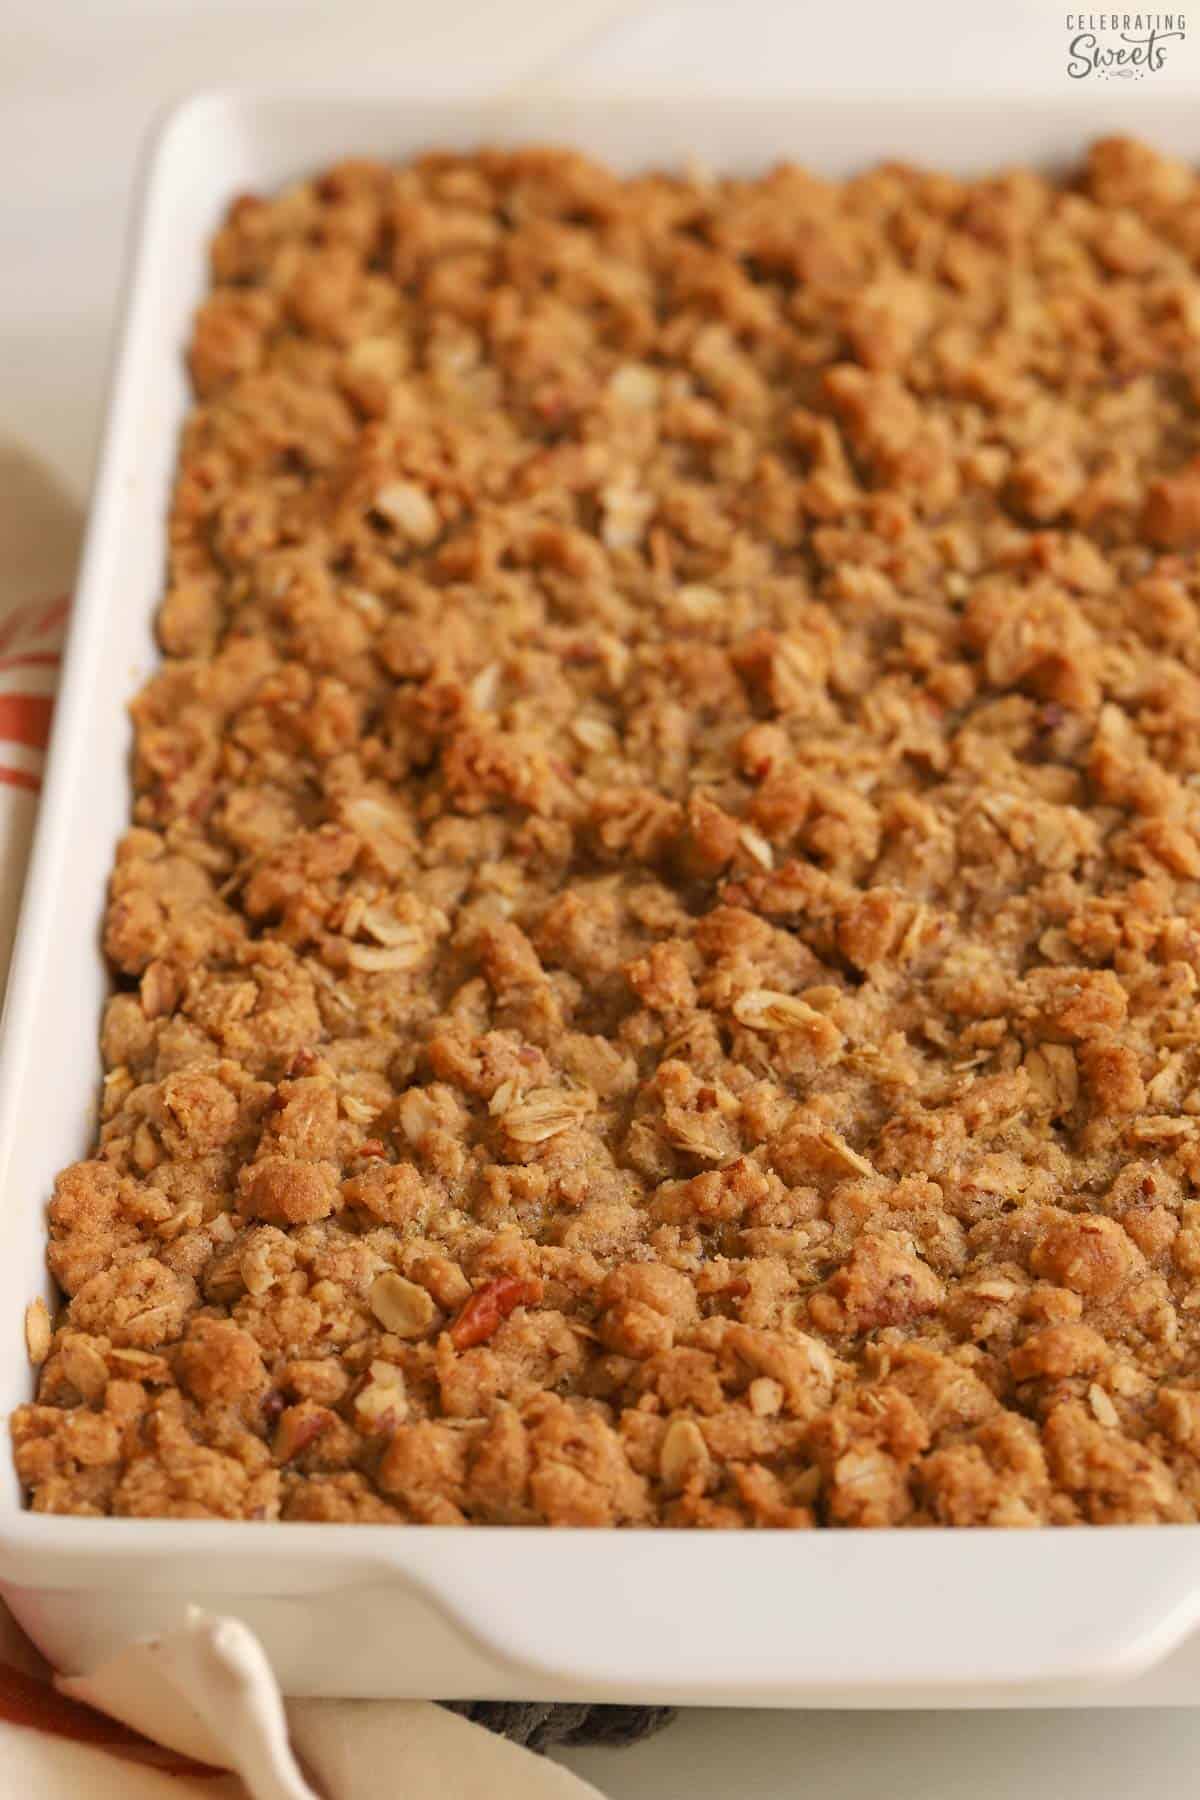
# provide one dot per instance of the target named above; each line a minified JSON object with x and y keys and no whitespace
{"x":657,"y":952}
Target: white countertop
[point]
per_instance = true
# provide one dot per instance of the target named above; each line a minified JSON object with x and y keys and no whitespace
{"x":78,"y":90}
{"x":1083,"y":1755}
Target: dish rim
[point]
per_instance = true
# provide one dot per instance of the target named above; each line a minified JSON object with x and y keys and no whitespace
{"x":449,"y":1565}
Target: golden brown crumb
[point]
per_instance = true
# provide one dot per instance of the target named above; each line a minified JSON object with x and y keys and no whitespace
{"x":657,"y":949}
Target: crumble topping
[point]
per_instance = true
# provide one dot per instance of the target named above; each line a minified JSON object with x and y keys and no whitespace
{"x":657,"y":949}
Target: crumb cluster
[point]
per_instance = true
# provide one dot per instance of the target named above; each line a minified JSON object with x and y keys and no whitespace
{"x":657,"y":952}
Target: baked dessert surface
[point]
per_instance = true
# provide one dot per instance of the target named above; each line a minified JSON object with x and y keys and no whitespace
{"x":657,"y":951}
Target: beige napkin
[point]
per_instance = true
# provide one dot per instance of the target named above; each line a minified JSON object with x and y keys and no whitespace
{"x":206,"y":1691}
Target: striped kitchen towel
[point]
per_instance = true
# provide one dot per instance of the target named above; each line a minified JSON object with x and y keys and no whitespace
{"x":30,"y":653}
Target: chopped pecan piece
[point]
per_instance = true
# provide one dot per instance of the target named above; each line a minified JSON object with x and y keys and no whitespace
{"x":490,"y":1305}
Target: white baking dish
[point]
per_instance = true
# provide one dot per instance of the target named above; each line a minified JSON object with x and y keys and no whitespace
{"x":822,"y":1618}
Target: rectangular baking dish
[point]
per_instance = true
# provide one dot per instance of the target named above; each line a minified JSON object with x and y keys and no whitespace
{"x":823,"y":1618}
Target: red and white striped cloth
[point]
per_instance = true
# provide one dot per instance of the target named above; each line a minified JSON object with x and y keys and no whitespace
{"x":30,"y":653}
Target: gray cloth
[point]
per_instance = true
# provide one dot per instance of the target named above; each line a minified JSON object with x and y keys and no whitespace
{"x":541,"y":1726}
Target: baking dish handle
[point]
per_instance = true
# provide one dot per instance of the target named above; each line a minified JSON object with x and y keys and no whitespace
{"x":660,"y":1614}
{"x":751,"y":1618}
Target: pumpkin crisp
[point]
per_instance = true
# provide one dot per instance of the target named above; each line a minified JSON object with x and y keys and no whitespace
{"x":656,"y":958}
